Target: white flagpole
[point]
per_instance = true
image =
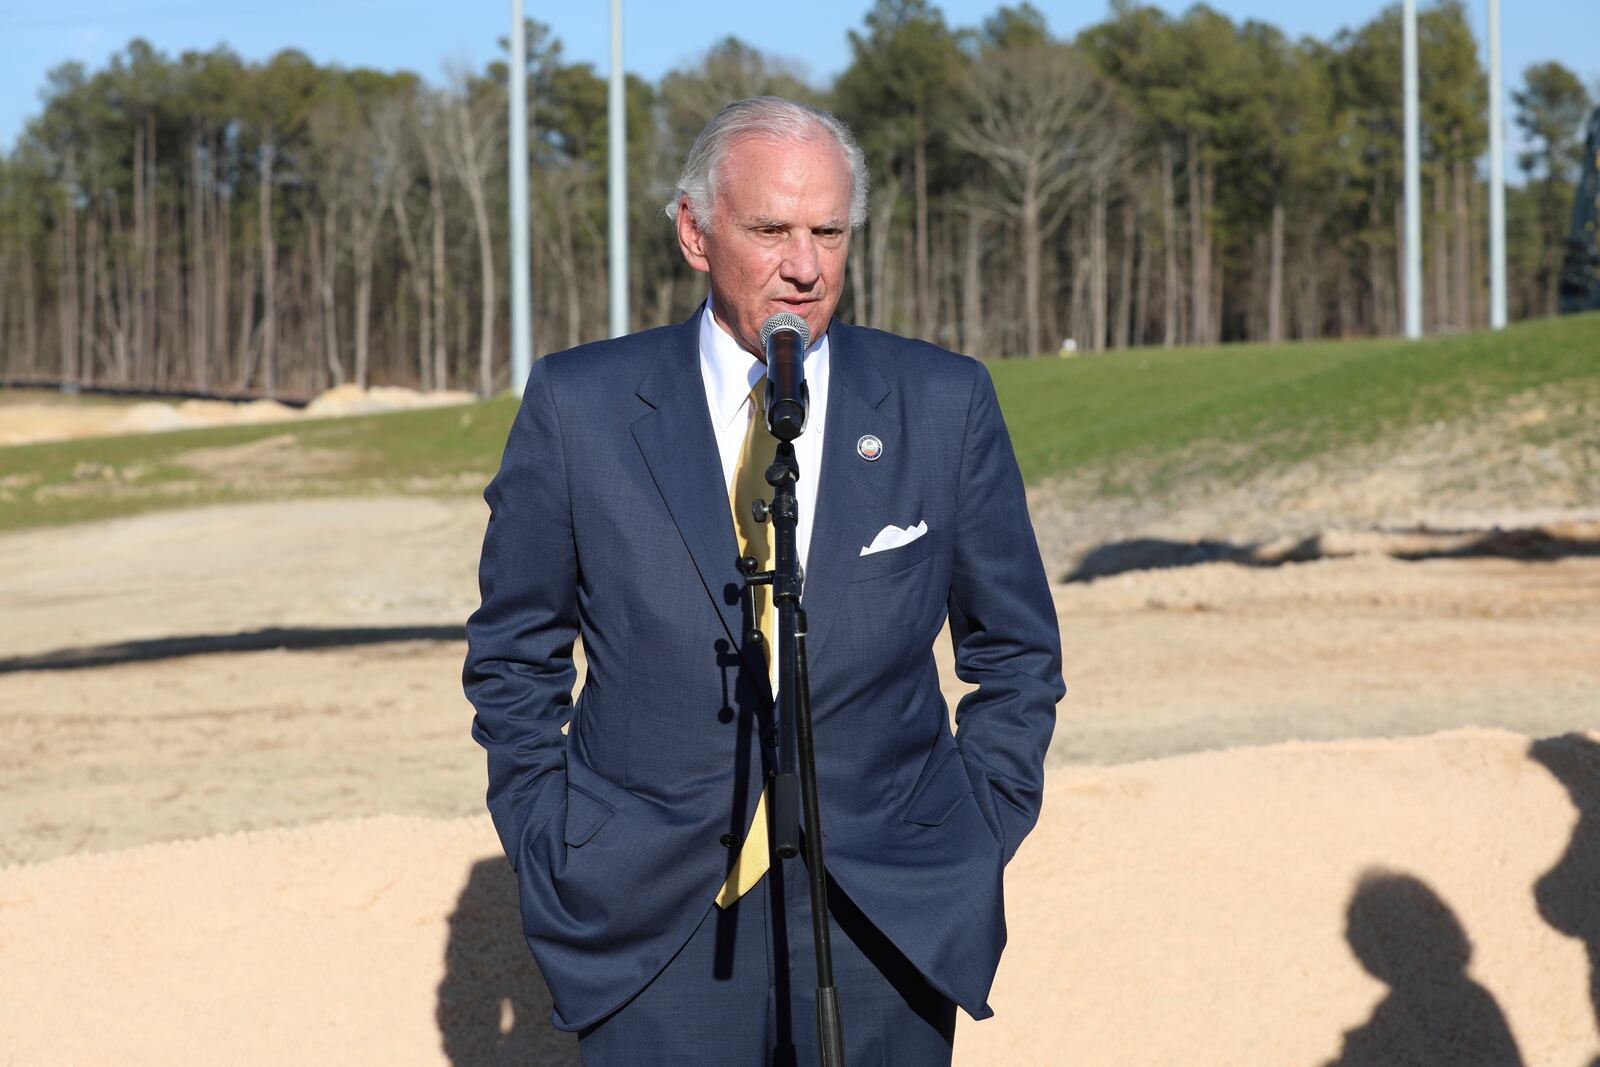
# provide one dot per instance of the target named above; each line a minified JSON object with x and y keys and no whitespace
{"x":1413,"y":178}
{"x":521,"y":311}
{"x":617,"y":132}
{"x":1497,"y":177}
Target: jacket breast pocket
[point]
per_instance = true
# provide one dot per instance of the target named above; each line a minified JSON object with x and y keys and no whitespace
{"x":939,"y":791}
{"x":892,"y":560}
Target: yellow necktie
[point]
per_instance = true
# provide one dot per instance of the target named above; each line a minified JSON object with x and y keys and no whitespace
{"x":755,"y":539}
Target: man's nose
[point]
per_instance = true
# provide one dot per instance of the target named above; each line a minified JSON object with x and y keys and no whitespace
{"x":801,"y":265}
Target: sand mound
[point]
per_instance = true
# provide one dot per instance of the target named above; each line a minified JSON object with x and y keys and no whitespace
{"x":1368,"y":903}
{"x":51,"y":420}
{"x":353,"y":400}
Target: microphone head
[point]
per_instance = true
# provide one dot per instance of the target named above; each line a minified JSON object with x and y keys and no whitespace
{"x":786,"y":320}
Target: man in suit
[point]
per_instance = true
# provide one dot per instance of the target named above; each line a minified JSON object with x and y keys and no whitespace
{"x":632,"y":817}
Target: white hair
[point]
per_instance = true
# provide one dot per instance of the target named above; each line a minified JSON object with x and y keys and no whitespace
{"x":773,"y":118}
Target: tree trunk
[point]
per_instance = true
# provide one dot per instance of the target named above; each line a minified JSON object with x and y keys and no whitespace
{"x":220,"y":257}
{"x":168,"y":290}
{"x":919,"y":176}
{"x":366,"y":227}
{"x":363,"y":314}
{"x":1199,"y":254}
{"x":67,"y":296}
{"x":1098,"y":265}
{"x":441,"y":363}
{"x":330,"y":306}
{"x":567,"y":264}
{"x":147,"y":284}
{"x":480,"y":215}
{"x":1465,"y":319}
{"x":1443,"y":317}
{"x":86,"y":331}
{"x":244,"y":356}
{"x":199,"y":302}
{"x":124,"y":313}
{"x":1218,"y":272}
{"x":141,"y":308}
{"x":1275,"y":284}
{"x":1141,"y":291}
{"x":419,"y":286}
{"x":1169,"y":235}
{"x":1119,"y":332}
{"x":30,"y":316}
{"x":1031,"y":242}
{"x":320,"y":312}
{"x":879,"y":253}
{"x":972,"y":340}
{"x":269,"y":255}
{"x":858,"y":283}
{"x":1211,"y":314}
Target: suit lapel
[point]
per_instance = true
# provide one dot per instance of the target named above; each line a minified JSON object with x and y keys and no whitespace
{"x":679,"y":446}
{"x":850,"y":508}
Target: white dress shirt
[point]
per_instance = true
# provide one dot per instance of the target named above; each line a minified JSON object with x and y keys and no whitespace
{"x":729,"y":373}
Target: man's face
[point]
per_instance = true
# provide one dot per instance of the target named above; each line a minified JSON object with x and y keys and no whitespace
{"x":779,"y":237}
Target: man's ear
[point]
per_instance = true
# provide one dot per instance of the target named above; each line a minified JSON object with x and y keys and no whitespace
{"x":690,"y":240}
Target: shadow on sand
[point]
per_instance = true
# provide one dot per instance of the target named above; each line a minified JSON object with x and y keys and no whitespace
{"x":1568,"y":896}
{"x":493,"y":1008}
{"x":1435,"y":1015}
{"x":293,"y":638}
{"x":1533,"y":545}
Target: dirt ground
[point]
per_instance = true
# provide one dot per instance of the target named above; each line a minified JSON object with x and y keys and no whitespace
{"x":285,"y":668}
{"x":252,"y":666}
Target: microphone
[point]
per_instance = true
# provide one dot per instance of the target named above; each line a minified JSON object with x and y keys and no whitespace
{"x":785,"y":337}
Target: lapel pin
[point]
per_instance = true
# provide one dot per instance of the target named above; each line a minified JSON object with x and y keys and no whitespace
{"x":869,"y":447}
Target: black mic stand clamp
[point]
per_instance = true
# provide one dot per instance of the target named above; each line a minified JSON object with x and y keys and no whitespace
{"x":795,"y":779}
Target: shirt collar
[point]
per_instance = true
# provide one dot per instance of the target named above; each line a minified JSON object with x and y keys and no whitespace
{"x":730,"y":372}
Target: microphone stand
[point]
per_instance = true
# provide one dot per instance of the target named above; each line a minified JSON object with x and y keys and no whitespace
{"x":796,"y":777}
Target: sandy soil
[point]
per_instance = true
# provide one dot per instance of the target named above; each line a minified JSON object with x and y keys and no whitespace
{"x":283,"y":668}
{"x":185,"y":726}
{"x":36,"y":415}
{"x":1359,"y":904}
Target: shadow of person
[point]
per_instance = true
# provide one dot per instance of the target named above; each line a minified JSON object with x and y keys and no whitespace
{"x":1434,"y":1015}
{"x":493,"y":1008}
{"x":1566,"y":895}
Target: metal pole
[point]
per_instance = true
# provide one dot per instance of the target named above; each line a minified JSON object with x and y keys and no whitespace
{"x":617,"y":132}
{"x":521,"y":311}
{"x":1413,"y":179}
{"x":1497,"y":177}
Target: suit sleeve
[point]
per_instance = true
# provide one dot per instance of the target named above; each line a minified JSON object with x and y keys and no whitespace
{"x":519,"y":671}
{"x":1003,"y":627}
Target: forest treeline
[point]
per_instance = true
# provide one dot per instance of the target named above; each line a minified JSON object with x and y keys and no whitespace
{"x":204,"y":222}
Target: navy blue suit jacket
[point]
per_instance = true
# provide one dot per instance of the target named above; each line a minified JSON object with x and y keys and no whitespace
{"x":609,"y":518}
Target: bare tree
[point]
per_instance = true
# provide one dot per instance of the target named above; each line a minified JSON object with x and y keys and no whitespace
{"x":1039,"y":116}
{"x":430,"y":131}
{"x":472,"y":135}
{"x":395,"y":128}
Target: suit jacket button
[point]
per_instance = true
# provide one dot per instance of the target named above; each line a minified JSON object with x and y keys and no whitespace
{"x":730,"y":840}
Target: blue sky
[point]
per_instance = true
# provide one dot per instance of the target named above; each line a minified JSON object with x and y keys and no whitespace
{"x":424,"y":35}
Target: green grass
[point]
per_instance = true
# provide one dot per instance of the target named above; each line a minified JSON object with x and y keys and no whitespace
{"x":1206,"y":413}
{"x":444,"y":451}
{"x":1235,"y":410}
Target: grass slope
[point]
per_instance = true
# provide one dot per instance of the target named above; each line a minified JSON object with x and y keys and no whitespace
{"x":1253,"y":406}
{"x":1219,"y":412}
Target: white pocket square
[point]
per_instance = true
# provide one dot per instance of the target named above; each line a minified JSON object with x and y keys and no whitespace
{"x":895,"y":537}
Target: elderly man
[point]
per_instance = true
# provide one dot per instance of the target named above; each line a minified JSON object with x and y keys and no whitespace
{"x":634,"y":816}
